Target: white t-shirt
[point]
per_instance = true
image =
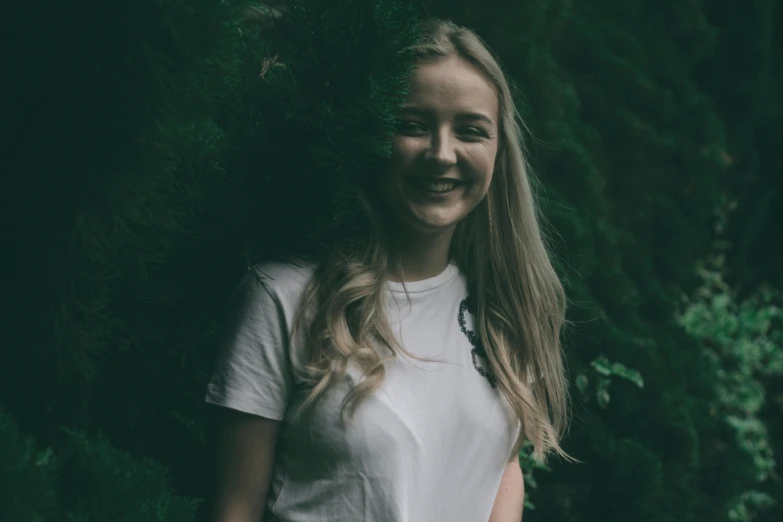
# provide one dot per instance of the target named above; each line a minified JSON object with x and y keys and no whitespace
{"x":430,"y":445}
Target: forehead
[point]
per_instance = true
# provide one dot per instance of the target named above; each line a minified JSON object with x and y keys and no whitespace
{"x":452,"y":85}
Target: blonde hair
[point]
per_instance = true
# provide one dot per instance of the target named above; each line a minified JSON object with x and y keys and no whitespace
{"x":499,"y":246}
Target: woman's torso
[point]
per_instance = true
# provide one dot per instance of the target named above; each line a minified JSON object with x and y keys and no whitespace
{"x":429,"y":445}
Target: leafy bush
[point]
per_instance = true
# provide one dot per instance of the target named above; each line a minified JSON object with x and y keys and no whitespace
{"x":87,"y":480}
{"x":743,"y":345}
{"x":28,"y":476}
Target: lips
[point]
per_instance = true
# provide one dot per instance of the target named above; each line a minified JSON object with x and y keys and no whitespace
{"x":437,"y":188}
{"x":424,"y":182}
{"x":432,"y":179}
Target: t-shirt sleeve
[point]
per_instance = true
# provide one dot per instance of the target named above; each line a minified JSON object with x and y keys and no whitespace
{"x":252,"y":368}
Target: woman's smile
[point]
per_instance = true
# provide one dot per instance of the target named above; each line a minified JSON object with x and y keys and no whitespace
{"x":437,"y":188}
{"x":444,"y":149}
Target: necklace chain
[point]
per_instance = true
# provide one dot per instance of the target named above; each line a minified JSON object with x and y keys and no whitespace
{"x":478,"y":350}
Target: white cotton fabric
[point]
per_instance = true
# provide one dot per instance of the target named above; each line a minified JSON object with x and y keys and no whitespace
{"x":430,"y":445}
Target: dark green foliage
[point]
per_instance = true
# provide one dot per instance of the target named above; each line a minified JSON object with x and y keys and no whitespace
{"x":115,"y":150}
{"x":87,"y":480}
{"x":28,"y":476}
{"x":158,"y":147}
{"x":744,"y":77}
{"x":743,"y":346}
{"x":320,"y":124}
{"x":146,"y":226}
{"x":101,"y":483}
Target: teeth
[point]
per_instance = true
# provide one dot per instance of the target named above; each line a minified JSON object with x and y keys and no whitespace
{"x":440,"y":187}
{"x":443,"y":186}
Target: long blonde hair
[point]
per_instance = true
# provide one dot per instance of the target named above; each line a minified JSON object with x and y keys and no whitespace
{"x":499,"y":246}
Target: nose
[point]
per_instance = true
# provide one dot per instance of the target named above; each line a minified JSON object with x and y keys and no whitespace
{"x":441,"y":151}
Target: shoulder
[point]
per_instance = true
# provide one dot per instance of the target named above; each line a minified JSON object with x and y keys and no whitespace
{"x":268,"y":293}
{"x":283,"y":273}
{"x":281,"y":280}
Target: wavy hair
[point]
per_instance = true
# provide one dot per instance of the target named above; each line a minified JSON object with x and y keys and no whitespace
{"x":500,"y":248}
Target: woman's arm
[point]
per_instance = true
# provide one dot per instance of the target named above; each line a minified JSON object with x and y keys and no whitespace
{"x":240,"y":456}
{"x":511,"y":495}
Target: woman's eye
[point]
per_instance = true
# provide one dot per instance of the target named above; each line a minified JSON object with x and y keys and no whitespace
{"x":413,"y":127}
{"x":474,"y":131}
{"x":409,"y":126}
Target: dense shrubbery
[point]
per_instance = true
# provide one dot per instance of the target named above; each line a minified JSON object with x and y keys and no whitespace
{"x":742,"y":343}
{"x":86,"y":480}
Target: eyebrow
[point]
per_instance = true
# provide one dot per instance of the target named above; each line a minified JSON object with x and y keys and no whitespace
{"x":462,"y":115}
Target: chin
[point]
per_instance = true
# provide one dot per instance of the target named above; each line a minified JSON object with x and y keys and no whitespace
{"x":429,"y":219}
{"x":432,"y":226}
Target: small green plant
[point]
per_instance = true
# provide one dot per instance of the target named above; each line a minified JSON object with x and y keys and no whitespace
{"x":86,"y":479}
{"x":605,"y":370}
{"x":741,"y":340}
{"x":28,"y":476}
{"x":529,"y":465}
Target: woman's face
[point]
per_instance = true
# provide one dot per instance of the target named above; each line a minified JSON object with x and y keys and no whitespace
{"x":444,"y":148}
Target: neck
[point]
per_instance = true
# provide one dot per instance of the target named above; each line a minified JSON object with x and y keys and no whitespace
{"x":420,"y":256}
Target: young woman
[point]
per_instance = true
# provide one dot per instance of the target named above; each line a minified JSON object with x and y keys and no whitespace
{"x":394,"y":382}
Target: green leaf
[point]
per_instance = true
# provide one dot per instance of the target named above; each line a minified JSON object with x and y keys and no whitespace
{"x":601,"y":365}
{"x":581,"y":384}
{"x":628,"y":374}
{"x":602,"y":393}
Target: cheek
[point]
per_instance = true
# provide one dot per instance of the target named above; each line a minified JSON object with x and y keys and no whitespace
{"x":483,"y":163}
{"x":485,"y":167}
{"x":403,"y":152}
